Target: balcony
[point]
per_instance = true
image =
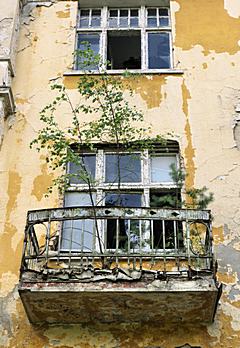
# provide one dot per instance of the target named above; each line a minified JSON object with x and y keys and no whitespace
{"x":112,"y":264}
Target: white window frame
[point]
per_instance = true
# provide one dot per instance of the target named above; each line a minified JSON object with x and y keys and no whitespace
{"x":144,"y":187}
{"x":118,"y":17}
{"x":142,"y":28}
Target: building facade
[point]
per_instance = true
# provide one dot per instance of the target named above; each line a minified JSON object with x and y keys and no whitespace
{"x":148,"y":287}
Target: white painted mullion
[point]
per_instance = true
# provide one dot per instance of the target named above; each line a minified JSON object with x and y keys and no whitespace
{"x":157,"y":14}
{"x":142,"y":22}
{"x":145,"y":167}
{"x":90,"y":18}
{"x":103,"y":39}
{"x":104,"y":17}
{"x":170,"y":38}
{"x":99,"y":167}
{"x":118,"y":18}
{"x":99,"y":193}
{"x":170,"y":49}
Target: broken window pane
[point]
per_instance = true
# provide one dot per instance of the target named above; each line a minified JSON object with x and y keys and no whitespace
{"x":124,"y":50}
{"x":78,"y":234}
{"x":128,"y":166}
{"x":160,"y":168}
{"x":158,"y":50}
{"x":82,"y":173}
{"x":128,"y":234}
{"x":93,"y":40}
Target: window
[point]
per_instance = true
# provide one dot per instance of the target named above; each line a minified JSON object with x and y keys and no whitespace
{"x":128,"y":38}
{"x":139,"y":179}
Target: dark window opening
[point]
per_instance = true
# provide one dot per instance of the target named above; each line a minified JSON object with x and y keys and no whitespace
{"x":124,"y":50}
{"x":128,"y":229}
{"x":167,"y":234}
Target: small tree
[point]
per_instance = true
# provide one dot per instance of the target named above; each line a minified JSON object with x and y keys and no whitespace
{"x":116,"y":122}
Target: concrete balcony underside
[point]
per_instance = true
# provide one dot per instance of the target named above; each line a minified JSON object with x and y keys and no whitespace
{"x":173,"y":280}
{"x":172,"y":300}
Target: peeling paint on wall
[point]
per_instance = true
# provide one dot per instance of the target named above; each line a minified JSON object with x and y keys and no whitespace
{"x":42,"y":182}
{"x":232,"y":7}
{"x":205,"y":28}
{"x":189,"y":150}
{"x":7,"y":258}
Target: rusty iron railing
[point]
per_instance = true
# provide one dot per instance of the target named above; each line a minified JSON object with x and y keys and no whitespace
{"x":107,"y":238}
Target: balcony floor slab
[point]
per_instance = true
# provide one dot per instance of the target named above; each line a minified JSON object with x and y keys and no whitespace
{"x":171,"y":300}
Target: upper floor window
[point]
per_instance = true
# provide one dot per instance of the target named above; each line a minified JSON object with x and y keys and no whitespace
{"x":122,"y":18}
{"x":128,"y":38}
{"x":90,"y":18}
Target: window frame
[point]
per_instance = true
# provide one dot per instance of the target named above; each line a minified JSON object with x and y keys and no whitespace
{"x":145,"y":187}
{"x":145,"y":183}
{"x":142,"y":27}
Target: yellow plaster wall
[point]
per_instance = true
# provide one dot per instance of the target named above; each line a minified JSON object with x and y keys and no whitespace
{"x":196,"y":106}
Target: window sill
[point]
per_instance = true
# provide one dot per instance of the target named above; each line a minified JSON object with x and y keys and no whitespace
{"x":133,"y":71}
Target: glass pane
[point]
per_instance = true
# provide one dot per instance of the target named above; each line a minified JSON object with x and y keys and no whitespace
{"x":96,"y":22}
{"x":123,"y":22}
{"x":134,"y":22}
{"x":80,"y":175}
{"x":84,"y":22}
{"x":128,"y":166}
{"x":113,"y":13}
{"x":158,"y":50}
{"x":78,"y":234}
{"x":134,"y":13}
{"x":160,"y":168}
{"x":96,"y":18}
{"x":113,"y":22}
{"x":152,"y":12}
{"x":84,"y":19}
{"x":128,"y":229}
{"x":164,"y":22}
{"x":93,"y":40}
{"x":96,"y":13}
{"x":84,"y":13}
{"x":163,"y":12}
{"x":152,"y":22}
{"x":123,"y":13}
{"x":123,"y":199}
